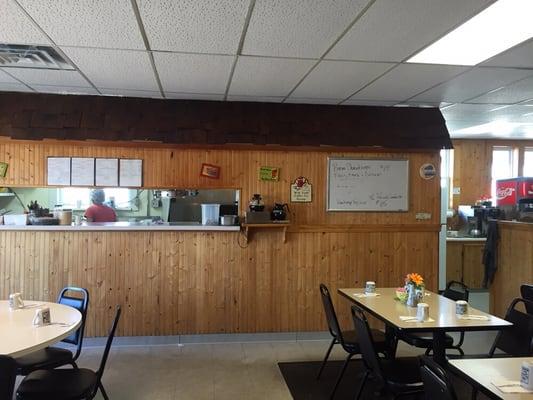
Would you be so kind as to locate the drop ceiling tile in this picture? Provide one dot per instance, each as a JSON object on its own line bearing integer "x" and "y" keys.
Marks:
{"x": 16, "y": 27}
{"x": 198, "y": 26}
{"x": 260, "y": 76}
{"x": 194, "y": 96}
{"x": 193, "y": 73}
{"x": 406, "y": 80}
{"x": 14, "y": 87}
{"x": 34, "y": 76}
{"x": 338, "y": 79}
{"x": 5, "y": 78}
{"x": 298, "y": 28}
{"x": 96, "y": 23}
{"x": 64, "y": 89}
{"x": 473, "y": 83}
{"x": 394, "y": 30}
{"x": 513, "y": 93}
{"x": 130, "y": 93}
{"x": 262, "y": 99}
{"x": 519, "y": 56}
{"x": 300, "y": 100}
{"x": 119, "y": 69}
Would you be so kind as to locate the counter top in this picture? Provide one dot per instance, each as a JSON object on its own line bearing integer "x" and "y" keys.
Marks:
{"x": 121, "y": 226}
{"x": 466, "y": 239}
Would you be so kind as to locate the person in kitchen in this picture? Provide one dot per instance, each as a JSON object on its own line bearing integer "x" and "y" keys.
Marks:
{"x": 98, "y": 211}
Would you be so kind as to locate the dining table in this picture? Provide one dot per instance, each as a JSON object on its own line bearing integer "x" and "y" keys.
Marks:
{"x": 18, "y": 335}
{"x": 497, "y": 378}
{"x": 385, "y": 306}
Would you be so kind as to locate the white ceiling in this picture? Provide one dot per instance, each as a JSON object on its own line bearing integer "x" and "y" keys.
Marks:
{"x": 293, "y": 51}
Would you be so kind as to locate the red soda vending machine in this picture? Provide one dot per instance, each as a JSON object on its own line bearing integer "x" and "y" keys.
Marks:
{"x": 514, "y": 191}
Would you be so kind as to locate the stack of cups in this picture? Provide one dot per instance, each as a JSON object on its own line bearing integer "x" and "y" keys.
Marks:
{"x": 422, "y": 312}
{"x": 461, "y": 307}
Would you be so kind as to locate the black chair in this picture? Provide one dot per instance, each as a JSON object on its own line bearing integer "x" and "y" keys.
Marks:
{"x": 437, "y": 385}
{"x": 526, "y": 291}
{"x": 8, "y": 369}
{"x": 53, "y": 357}
{"x": 67, "y": 384}
{"x": 454, "y": 291}
{"x": 399, "y": 376}
{"x": 347, "y": 339}
{"x": 516, "y": 341}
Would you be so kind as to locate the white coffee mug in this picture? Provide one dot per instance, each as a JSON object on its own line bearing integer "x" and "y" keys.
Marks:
{"x": 42, "y": 317}
{"x": 461, "y": 307}
{"x": 422, "y": 312}
{"x": 526, "y": 375}
{"x": 370, "y": 287}
{"x": 15, "y": 301}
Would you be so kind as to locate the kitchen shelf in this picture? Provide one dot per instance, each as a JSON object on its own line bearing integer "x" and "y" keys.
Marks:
{"x": 271, "y": 225}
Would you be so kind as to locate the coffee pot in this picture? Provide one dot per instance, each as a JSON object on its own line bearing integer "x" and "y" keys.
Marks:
{"x": 278, "y": 212}
{"x": 256, "y": 203}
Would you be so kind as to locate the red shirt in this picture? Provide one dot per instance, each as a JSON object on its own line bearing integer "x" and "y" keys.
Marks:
{"x": 100, "y": 213}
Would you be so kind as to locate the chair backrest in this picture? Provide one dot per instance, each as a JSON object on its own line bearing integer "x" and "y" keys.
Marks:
{"x": 437, "y": 386}
{"x": 456, "y": 291}
{"x": 526, "y": 291}
{"x": 8, "y": 373}
{"x": 110, "y": 337}
{"x": 366, "y": 343}
{"x": 516, "y": 341}
{"x": 80, "y": 303}
{"x": 331, "y": 316}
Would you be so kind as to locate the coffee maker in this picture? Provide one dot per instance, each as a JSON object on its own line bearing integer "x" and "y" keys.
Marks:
{"x": 481, "y": 218}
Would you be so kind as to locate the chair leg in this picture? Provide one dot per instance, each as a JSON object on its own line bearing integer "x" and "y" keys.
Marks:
{"x": 74, "y": 365}
{"x": 428, "y": 351}
{"x": 102, "y": 390}
{"x": 340, "y": 375}
{"x": 326, "y": 357}
{"x": 361, "y": 386}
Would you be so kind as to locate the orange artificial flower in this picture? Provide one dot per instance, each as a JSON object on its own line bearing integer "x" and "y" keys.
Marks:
{"x": 414, "y": 278}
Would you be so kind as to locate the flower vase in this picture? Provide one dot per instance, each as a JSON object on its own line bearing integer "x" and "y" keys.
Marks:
{"x": 413, "y": 295}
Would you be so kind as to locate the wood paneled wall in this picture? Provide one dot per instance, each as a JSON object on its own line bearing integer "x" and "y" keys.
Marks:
{"x": 515, "y": 264}
{"x": 472, "y": 169}
{"x": 186, "y": 282}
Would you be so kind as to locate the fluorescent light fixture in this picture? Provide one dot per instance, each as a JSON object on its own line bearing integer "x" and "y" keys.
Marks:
{"x": 500, "y": 26}
{"x": 498, "y": 128}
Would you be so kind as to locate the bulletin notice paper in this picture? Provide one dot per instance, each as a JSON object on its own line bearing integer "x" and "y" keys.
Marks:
{"x": 131, "y": 173}
{"x": 82, "y": 172}
{"x": 106, "y": 172}
{"x": 58, "y": 171}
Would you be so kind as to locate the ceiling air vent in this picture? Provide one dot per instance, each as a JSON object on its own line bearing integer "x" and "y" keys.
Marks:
{"x": 24, "y": 56}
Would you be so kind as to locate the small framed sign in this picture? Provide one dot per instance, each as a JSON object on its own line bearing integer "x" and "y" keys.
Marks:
{"x": 210, "y": 171}
{"x": 3, "y": 169}
{"x": 301, "y": 191}
{"x": 269, "y": 174}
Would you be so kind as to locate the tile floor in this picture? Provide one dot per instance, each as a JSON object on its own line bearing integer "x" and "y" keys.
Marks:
{"x": 217, "y": 371}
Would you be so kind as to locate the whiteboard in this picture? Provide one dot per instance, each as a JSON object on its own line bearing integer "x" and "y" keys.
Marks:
{"x": 367, "y": 185}
{"x": 58, "y": 171}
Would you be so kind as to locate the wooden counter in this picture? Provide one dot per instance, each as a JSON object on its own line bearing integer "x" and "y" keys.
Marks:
{"x": 515, "y": 264}
{"x": 464, "y": 261}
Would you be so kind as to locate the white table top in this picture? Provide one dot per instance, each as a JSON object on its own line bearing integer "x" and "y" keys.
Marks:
{"x": 487, "y": 370}
{"x": 441, "y": 310}
{"x": 18, "y": 336}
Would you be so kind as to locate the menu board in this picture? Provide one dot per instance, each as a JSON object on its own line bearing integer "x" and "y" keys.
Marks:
{"x": 58, "y": 171}
{"x": 82, "y": 172}
{"x": 131, "y": 173}
{"x": 367, "y": 185}
{"x": 106, "y": 172}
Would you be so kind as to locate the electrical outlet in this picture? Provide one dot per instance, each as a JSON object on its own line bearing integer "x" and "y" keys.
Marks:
{"x": 422, "y": 216}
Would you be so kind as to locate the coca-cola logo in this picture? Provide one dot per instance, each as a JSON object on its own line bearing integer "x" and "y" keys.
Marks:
{"x": 502, "y": 193}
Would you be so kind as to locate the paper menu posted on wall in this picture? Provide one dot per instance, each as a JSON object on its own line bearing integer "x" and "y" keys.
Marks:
{"x": 131, "y": 172}
{"x": 58, "y": 171}
{"x": 82, "y": 171}
{"x": 106, "y": 172}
